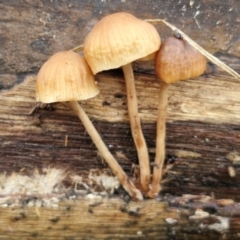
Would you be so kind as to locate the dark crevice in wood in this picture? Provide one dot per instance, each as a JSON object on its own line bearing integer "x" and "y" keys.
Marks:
{"x": 205, "y": 174}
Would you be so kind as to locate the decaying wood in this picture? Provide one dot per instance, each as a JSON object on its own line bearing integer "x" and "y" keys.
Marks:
{"x": 210, "y": 98}
{"x": 203, "y": 133}
{"x": 191, "y": 216}
{"x": 31, "y": 32}
{"x": 203, "y": 138}
{"x": 206, "y": 127}
{"x": 112, "y": 219}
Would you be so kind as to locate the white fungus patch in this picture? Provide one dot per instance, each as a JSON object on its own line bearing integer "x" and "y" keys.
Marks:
{"x": 99, "y": 182}
{"x": 107, "y": 182}
{"x": 199, "y": 214}
{"x": 94, "y": 200}
{"x": 39, "y": 189}
{"x": 171, "y": 221}
{"x": 220, "y": 227}
{"x": 47, "y": 182}
{"x": 45, "y": 188}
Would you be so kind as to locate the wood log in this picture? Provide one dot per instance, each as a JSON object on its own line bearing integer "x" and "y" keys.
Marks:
{"x": 203, "y": 133}
{"x": 76, "y": 219}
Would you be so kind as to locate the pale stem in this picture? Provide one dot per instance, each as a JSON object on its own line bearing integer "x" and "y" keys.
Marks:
{"x": 136, "y": 129}
{"x": 111, "y": 161}
{"x": 160, "y": 140}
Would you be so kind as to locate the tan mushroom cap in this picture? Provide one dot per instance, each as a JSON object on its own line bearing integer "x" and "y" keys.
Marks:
{"x": 65, "y": 76}
{"x": 177, "y": 60}
{"x": 119, "y": 39}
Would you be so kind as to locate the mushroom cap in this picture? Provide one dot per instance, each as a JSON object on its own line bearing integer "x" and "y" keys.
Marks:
{"x": 119, "y": 39}
{"x": 65, "y": 76}
{"x": 177, "y": 60}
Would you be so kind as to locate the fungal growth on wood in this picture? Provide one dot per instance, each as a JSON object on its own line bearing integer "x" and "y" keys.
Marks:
{"x": 107, "y": 46}
{"x": 66, "y": 77}
{"x": 116, "y": 41}
{"x": 176, "y": 60}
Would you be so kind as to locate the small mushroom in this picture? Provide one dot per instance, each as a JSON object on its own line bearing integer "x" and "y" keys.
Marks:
{"x": 66, "y": 76}
{"x": 176, "y": 60}
{"x": 116, "y": 41}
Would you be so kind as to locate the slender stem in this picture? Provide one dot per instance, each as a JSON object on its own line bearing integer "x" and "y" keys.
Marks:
{"x": 113, "y": 164}
{"x": 160, "y": 141}
{"x": 136, "y": 129}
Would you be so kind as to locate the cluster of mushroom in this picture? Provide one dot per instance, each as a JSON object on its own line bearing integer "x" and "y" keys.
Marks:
{"x": 116, "y": 41}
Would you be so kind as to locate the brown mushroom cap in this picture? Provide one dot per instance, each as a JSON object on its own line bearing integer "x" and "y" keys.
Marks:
{"x": 119, "y": 39}
{"x": 65, "y": 76}
{"x": 177, "y": 60}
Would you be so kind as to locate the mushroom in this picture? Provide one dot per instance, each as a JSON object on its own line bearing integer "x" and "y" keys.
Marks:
{"x": 176, "y": 60}
{"x": 66, "y": 76}
{"x": 116, "y": 41}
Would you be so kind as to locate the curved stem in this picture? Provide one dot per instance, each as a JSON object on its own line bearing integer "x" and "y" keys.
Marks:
{"x": 160, "y": 141}
{"x": 113, "y": 164}
{"x": 136, "y": 127}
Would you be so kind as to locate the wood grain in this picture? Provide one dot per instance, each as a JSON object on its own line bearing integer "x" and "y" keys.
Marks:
{"x": 205, "y": 127}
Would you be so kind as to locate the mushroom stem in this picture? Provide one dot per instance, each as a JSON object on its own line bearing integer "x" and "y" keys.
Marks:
{"x": 113, "y": 164}
{"x": 160, "y": 141}
{"x": 136, "y": 129}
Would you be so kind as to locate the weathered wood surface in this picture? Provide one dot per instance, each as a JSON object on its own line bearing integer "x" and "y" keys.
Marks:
{"x": 38, "y": 139}
{"x": 78, "y": 220}
{"x": 31, "y": 31}
{"x": 187, "y": 217}
{"x": 203, "y": 133}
